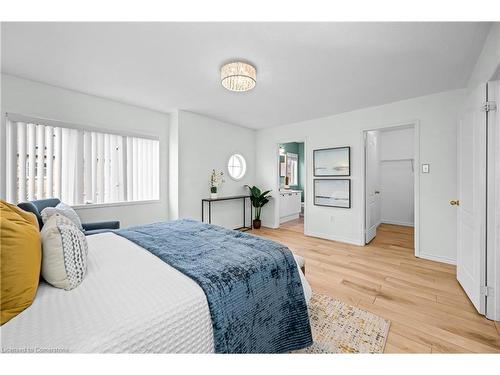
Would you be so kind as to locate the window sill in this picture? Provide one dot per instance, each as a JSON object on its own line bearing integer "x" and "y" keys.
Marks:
{"x": 114, "y": 204}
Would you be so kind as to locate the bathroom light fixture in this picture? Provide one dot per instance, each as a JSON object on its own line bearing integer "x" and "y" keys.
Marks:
{"x": 238, "y": 76}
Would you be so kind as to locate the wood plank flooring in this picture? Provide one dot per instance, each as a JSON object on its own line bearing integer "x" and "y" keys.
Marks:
{"x": 428, "y": 310}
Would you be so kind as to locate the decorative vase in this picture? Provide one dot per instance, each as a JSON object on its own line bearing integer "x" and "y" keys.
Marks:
{"x": 256, "y": 224}
{"x": 214, "y": 193}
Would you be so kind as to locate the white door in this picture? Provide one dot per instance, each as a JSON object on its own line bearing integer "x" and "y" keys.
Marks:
{"x": 471, "y": 204}
{"x": 372, "y": 188}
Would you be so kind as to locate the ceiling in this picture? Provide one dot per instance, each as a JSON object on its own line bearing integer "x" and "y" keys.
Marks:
{"x": 304, "y": 70}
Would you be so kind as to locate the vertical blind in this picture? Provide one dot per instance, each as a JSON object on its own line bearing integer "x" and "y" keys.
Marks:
{"x": 79, "y": 166}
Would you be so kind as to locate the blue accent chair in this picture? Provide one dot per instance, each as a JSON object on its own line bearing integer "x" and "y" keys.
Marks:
{"x": 36, "y": 207}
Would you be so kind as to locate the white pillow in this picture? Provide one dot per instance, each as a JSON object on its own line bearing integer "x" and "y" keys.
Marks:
{"x": 63, "y": 209}
{"x": 64, "y": 253}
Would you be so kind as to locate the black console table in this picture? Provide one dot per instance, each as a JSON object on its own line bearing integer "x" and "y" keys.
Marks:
{"x": 244, "y": 228}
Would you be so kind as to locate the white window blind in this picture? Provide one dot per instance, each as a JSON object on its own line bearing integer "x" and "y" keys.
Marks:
{"x": 79, "y": 166}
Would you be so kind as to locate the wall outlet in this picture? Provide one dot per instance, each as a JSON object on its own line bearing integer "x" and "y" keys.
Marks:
{"x": 425, "y": 168}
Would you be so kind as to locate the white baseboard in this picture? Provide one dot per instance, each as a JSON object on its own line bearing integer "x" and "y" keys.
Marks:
{"x": 351, "y": 241}
{"x": 284, "y": 219}
{"x": 395, "y": 222}
{"x": 269, "y": 226}
{"x": 437, "y": 258}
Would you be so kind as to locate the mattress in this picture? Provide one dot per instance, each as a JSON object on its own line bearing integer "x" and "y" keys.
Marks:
{"x": 129, "y": 302}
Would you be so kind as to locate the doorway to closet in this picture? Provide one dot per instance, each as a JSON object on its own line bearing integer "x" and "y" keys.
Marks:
{"x": 390, "y": 184}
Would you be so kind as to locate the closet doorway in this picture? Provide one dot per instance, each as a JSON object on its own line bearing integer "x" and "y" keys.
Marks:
{"x": 391, "y": 184}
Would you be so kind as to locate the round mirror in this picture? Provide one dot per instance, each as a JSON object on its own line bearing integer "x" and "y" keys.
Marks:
{"x": 236, "y": 166}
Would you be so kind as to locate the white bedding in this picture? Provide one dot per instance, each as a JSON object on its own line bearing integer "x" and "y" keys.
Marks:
{"x": 130, "y": 301}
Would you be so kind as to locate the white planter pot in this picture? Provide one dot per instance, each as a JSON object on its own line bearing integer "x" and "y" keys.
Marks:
{"x": 214, "y": 195}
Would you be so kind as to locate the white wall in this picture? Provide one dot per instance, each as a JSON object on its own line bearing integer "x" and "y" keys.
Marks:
{"x": 44, "y": 101}
{"x": 397, "y": 144}
{"x": 173, "y": 167}
{"x": 397, "y": 176}
{"x": 205, "y": 144}
{"x": 437, "y": 115}
{"x": 489, "y": 59}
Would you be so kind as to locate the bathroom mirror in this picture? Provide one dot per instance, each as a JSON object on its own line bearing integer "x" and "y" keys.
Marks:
{"x": 292, "y": 167}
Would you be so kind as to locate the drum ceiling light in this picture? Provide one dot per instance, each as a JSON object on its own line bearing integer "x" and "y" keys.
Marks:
{"x": 238, "y": 76}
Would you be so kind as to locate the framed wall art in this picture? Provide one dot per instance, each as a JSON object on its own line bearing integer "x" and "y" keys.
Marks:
{"x": 332, "y": 192}
{"x": 332, "y": 162}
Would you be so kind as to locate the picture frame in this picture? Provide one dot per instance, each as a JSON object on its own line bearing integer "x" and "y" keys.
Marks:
{"x": 332, "y": 192}
{"x": 332, "y": 162}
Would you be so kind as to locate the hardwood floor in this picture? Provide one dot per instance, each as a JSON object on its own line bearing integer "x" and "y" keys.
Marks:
{"x": 428, "y": 310}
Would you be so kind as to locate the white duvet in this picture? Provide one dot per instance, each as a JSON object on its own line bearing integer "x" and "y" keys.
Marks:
{"x": 130, "y": 301}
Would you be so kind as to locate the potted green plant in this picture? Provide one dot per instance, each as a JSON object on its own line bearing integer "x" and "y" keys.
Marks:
{"x": 259, "y": 199}
{"x": 216, "y": 180}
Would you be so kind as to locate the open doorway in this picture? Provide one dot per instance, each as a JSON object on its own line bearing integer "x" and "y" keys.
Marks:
{"x": 291, "y": 182}
{"x": 391, "y": 188}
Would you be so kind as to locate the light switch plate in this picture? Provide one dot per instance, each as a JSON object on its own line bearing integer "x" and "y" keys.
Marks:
{"x": 425, "y": 168}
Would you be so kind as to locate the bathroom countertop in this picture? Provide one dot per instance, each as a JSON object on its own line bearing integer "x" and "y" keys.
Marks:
{"x": 290, "y": 191}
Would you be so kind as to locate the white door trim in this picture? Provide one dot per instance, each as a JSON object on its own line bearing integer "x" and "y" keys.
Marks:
{"x": 277, "y": 179}
{"x": 416, "y": 126}
{"x": 493, "y": 205}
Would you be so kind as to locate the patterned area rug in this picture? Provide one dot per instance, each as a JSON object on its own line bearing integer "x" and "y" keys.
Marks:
{"x": 341, "y": 328}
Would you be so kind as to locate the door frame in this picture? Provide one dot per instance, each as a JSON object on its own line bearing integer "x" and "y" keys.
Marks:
{"x": 277, "y": 179}
{"x": 492, "y": 304}
{"x": 416, "y": 181}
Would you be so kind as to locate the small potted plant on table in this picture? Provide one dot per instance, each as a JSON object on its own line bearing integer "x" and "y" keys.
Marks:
{"x": 259, "y": 199}
{"x": 216, "y": 180}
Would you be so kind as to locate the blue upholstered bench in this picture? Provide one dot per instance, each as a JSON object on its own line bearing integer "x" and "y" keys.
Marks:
{"x": 37, "y": 206}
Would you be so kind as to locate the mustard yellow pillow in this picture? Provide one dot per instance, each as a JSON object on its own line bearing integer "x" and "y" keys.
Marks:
{"x": 21, "y": 257}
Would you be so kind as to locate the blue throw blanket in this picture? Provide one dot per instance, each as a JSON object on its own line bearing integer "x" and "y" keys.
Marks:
{"x": 252, "y": 285}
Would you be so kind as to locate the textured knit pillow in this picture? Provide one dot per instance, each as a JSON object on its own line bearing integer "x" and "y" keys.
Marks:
{"x": 64, "y": 210}
{"x": 20, "y": 259}
{"x": 64, "y": 253}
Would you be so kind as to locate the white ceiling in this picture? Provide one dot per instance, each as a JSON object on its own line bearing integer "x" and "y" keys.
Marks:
{"x": 304, "y": 70}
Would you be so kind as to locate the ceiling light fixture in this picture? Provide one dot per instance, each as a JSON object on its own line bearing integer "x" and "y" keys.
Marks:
{"x": 238, "y": 76}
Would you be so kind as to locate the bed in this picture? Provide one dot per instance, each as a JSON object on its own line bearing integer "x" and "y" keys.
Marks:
{"x": 135, "y": 305}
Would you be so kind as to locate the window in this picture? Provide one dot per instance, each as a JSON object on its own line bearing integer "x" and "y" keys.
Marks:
{"x": 79, "y": 166}
{"x": 236, "y": 166}
{"x": 292, "y": 168}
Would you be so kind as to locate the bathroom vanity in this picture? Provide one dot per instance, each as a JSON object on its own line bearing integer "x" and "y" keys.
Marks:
{"x": 290, "y": 204}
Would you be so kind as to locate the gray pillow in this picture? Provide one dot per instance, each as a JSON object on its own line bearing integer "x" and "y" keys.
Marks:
{"x": 64, "y": 253}
{"x": 64, "y": 210}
